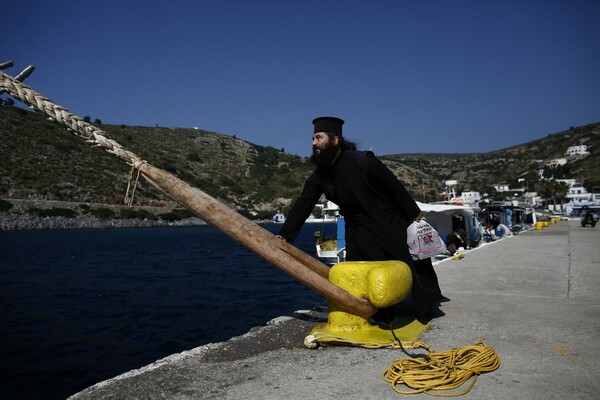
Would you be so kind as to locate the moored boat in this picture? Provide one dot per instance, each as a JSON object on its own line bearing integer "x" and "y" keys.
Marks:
{"x": 278, "y": 218}
{"x": 445, "y": 218}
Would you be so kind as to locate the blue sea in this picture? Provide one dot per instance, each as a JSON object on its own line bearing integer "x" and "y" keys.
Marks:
{"x": 81, "y": 306}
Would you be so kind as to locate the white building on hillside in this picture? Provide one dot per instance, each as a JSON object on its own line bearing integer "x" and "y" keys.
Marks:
{"x": 470, "y": 197}
{"x": 555, "y": 162}
{"x": 501, "y": 187}
{"x": 532, "y": 198}
{"x": 577, "y": 150}
{"x": 570, "y": 182}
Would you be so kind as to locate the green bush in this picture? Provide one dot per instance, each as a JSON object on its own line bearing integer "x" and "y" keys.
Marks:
{"x": 265, "y": 214}
{"x": 130, "y": 213}
{"x": 53, "y": 212}
{"x": 194, "y": 157}
{"x": 103, "y": 213}
{"x": 5, "y": 205}
{"x": 176, "y": 215}
{"x": 246, "y": 214}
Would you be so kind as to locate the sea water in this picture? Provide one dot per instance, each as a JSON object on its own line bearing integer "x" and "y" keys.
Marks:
{"x": 81, "y": 306}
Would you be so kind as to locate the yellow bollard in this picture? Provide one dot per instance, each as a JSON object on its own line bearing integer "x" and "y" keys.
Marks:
{"x": 539, "y": 225}
{"x": 383, "y": 283}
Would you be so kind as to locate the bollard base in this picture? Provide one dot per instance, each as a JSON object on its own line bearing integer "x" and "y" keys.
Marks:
{"x": 402, "y": 332}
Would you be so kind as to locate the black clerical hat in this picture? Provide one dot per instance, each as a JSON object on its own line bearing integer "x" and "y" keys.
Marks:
{"x": 329, "y": 125}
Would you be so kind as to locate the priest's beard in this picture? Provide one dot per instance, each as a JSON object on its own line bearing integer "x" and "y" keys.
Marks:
{"x": 325, "y": 157}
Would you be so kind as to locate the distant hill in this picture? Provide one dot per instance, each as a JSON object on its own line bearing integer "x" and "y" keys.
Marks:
{"x": 478, "y": 171}
{"x": 40, "y": 160}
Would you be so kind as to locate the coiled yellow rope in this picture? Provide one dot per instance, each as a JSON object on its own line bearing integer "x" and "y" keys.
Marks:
{"x": 445, "y": 371}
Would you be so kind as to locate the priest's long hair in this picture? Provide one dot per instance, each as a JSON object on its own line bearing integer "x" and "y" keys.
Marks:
{"x": 343, "y": 143}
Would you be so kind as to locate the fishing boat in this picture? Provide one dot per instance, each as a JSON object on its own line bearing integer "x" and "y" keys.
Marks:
{"x": 278, "y": 218}
{"x": 331, "y": 249}
{"x": 452, "y": 218}
{"x": 328, "y": 212}
{"x": 516, "y": 216}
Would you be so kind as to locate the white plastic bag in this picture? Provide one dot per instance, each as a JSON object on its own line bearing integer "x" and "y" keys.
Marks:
{"x": 424, "y": 241}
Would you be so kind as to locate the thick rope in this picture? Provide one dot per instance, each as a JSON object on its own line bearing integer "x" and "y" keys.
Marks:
{"x": 312, "y": 342}
{"x": 88, "y": 132}
{"x": 445, "y": 371}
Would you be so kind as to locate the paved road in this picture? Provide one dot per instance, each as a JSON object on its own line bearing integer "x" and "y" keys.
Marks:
{"x": 533, "y": 297}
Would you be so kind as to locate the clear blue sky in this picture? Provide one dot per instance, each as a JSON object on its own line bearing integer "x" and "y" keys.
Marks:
{"x": 407, "y": 76}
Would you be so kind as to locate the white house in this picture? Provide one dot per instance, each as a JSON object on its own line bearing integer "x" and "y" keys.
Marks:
{"x": 470, "y": 197}
{"x": 577, "y": 194}
{"x": 577, "y": 150}
{"x": 501, "y": 187}
{"x": 532, "y": 198}
{"x": 569, "y": 182}
{"x": 555, "y": 162}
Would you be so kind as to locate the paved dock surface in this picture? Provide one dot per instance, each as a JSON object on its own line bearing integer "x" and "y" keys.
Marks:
{"x": 535, "y": 298}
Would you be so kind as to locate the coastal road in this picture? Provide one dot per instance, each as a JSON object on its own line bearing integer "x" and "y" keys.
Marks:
{"x": 533, "y": 297}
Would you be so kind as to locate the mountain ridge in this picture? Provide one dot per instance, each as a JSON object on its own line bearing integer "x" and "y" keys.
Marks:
{"x": 42, "y": 161}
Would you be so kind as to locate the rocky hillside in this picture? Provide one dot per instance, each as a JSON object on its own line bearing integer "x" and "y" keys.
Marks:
{"x": 39, "y": 160}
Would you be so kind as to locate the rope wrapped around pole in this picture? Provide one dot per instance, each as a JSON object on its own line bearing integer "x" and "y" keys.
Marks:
{"x": 288, "y": 258}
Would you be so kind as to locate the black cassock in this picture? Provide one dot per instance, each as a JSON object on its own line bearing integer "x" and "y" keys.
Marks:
{"x": 377, "y": 210}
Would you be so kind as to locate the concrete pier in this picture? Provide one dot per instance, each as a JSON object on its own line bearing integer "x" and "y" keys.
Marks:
{"x": 534, "y": 297}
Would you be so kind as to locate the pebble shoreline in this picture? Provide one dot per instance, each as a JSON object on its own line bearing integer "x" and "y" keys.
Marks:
{"x": 13, "y": 222}
{"x": 18, "y": 218}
